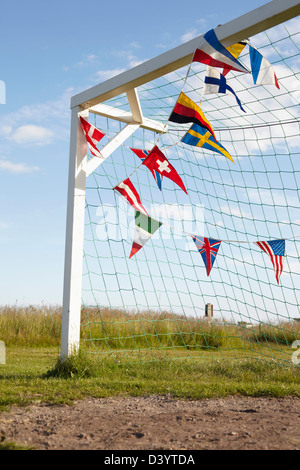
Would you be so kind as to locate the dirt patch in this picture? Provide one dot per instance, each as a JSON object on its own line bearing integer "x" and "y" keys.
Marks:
{"x": 157, "y": 423}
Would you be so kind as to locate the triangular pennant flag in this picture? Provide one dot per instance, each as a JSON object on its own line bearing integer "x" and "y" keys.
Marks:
{"x": 142, "y": 154}
{"x": 211, "y": 52}
{"x": 185, "y": 110}
{"x": 235, "y": 50}
{"x": 262, "y": 71}
{"x": 157, "y": 162}
{"x": 145, "y": 227}
{"x": 92, "y": 135}
{"x": 208, "y": 248}
{"x": 215, "y": 82}
{"x": 276, "y": 250}
{"x": 128, "y": 191}
{"x": 199, "y": 137}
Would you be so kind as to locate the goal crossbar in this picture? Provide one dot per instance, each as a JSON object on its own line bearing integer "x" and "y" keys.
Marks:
{"x": 249, "y": 24}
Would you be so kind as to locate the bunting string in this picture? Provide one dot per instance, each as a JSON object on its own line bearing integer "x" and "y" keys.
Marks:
{"x": 201, "y": 134}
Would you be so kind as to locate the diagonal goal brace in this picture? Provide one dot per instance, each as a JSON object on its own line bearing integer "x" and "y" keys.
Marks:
{"x": 79, "y": 169}
{"x": 133, "y": 120}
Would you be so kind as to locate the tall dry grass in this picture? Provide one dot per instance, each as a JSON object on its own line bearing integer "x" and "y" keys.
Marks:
{"x": 30, "y": 326}
{"x": 40, "y": 326}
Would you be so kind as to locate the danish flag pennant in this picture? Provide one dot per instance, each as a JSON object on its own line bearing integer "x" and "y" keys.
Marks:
{"x": 157, "y": 162}
{"x": 128, "y": 191}
{"x": 92, "y": 135}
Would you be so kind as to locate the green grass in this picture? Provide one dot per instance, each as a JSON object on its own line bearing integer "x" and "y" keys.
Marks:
{"x": 142, "y": 355}
{"x": 37, "y": 375}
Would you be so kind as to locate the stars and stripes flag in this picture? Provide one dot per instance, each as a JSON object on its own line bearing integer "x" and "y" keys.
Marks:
{"x": 145, "y": 227}
{"x": 211, "y": 52}
{"x": 92, "y": 135}
{"x": 128, "y": 191}
{"x": 199, "y": 137}
{"x": 208, "y": 248}
{"x": 276, "y": 250}
{"x": 262, "y": 71}
{"x": 142, "y": 154}
{"x": 215, "y": 82}
{"x": 157, "y": 162}
{"x": 185, "y": 110}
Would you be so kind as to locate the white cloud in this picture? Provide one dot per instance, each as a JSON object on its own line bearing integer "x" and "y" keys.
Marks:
{"x": 235, "y": 212}
{"x": 109, "y": 73}
{"x": 87, "y": 60}
{"x": 16, "y": 168}
{"x": 32, "y": 134}
{"x": 38, "y": 123}
{"x": 189, "y": 35}
{"x": 131, "y": 61}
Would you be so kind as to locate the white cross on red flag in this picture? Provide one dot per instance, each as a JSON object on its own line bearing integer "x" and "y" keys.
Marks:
{"x": 157, "y": 162}
{"x": 92, "y": 135}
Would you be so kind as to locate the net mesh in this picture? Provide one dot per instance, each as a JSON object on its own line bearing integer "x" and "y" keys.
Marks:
{"x": 153, "y": 305}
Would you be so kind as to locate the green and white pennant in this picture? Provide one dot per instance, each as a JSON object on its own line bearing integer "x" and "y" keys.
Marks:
{"x": 145, "y": 227}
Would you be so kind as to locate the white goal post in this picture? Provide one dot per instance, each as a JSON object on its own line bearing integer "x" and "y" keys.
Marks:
{"x": 92, "y": 101}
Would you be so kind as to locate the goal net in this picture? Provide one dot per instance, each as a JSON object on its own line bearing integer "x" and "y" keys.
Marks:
{"x": 190, "y": 278}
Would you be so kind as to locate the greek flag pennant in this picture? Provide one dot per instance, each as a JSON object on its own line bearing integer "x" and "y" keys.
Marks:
{"x": 215, "y": 82}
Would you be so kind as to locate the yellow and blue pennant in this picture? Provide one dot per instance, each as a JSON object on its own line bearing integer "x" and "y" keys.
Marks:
{"x": 199, "y": 137}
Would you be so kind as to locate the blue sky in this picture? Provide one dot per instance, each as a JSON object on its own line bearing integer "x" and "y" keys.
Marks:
{"x": 50, "y": 51}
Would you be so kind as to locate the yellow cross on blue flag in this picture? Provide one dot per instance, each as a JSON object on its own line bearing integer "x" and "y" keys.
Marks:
{"x": 199, "y": 137}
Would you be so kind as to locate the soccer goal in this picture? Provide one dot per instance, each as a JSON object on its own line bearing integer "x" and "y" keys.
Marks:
{"x": 183, "y": 220}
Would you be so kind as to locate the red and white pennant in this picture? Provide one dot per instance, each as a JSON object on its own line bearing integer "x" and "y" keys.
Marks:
{"x": 92, "y": 135}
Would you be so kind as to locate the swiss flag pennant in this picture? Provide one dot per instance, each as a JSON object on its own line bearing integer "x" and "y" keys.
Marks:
{"x": 157, "y": 162}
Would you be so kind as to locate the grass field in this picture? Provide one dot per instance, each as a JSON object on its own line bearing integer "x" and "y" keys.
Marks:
{"x": 204, "y": 360}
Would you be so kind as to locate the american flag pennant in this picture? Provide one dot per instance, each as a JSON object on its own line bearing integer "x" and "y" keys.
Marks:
{"x": 143, "y": 154}
{"x": 128, "y": 191}
{"x": 92, "y": 135}
{"x": 208, "y": 249}
{"x": 276, "y": 250}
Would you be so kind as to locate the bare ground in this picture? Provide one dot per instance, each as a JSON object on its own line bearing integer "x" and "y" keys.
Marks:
{"x": 157, "y": 423}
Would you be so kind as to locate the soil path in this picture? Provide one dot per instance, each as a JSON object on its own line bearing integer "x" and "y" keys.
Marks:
{"x": 157, "y": 423}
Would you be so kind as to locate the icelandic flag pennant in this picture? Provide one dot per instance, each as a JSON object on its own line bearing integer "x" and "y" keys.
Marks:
{"x": 142, "y": 154}
{"x": 215, "y": 82}
{"x": 157, "y": 162}
{"x": 145, "y": 227}
{"x": 235, "y": 50}
{"x": 276, "y": 250}
{"x": 262, "y": 71}
{"x": 92, "y": 135}
{"x": 128, "y": 191}
{"x": 208, "y": 248}
{"x": 185, "y": 110}
{"x": 199, "y": 137}
{"x": 211, "y": 52}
